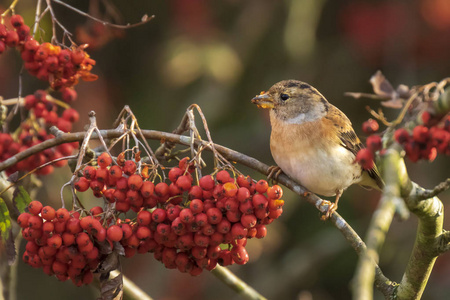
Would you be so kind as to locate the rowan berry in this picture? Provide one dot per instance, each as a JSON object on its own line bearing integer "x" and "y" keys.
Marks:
{"x": 16, "y": 21}
{"x": 370, "y": 126}
{"x": 129, "y": 167}
{"x": 262, "y": 186}
{"x": 159, "y": 215}
{"x": 365, "y": 158}
{"x": 55, "y": 241}
{"x": 275, "y": 192}
{"x": 248, "y": 221}
{"x": 196, "y": 206}
{"x": 35, "y": 222}
{"x": 243, "y": 194}
{"x": 115, "y": 171}
{"x": 238, "y": 231}
{"x": 162, "y": 189}
{"x": 223, "y": 177}
{"x": 143, "y": 233}
{"x": 184, "y": 182}
{"x": 207, "y": 182}
{"x": 89, "y": 172}
{"x": 35, "y": 207}
{"x": 12, "y": 39}
{"x": 48, "y": 228}
{"x": 230, "y": 189}
{"x": 402, "y": 136}
{"x": 114, "y": 233}
{"x": 239, "y": 255}
{"x": 420, "y": 134}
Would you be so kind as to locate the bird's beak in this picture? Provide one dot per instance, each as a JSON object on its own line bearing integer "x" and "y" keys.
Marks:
{"x": 264, "y": 100}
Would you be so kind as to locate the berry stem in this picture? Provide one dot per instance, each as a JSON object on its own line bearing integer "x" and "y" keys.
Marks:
{"x": 10, "y": 8}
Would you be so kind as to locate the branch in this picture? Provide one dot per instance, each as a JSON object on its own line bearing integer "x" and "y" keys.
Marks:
{"x": 429, "y": 232}
{"x": 346, "y": 230}
{"x": 234, "y": 282}
{"x": 422, "y": 194}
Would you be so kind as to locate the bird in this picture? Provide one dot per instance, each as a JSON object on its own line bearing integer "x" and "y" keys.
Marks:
{"x": 313, "y": 142}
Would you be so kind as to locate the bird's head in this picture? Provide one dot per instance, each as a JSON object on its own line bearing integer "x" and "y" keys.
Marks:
{"x": 293, "y": 101}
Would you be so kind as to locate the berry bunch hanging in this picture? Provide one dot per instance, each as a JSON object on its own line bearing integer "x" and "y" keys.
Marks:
{"x": 187, "y": 226}
{"x": 62, "y": 68}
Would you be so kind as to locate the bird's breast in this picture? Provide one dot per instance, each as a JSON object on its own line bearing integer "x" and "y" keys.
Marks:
{"x": 311, "y": 154}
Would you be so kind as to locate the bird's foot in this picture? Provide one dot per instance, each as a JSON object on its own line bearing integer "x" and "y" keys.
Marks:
{"x": 274, "y": 172}
{"x": 332, "y": 207}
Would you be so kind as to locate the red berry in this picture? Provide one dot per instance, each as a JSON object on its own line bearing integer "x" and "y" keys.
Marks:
{"x": 261, "y": 231}
{"x": 186, "y": 216}
{"x": 373, "y": 142}
{"x": 55, "y": 241}
{"x": 239, "y": 255}
{"x": 143, "y": 233}
{"x": 35, "y": 207}
{"x": 162, "y": 189}
{"x": 370, "y": 126}
{"x": 144, "y": 217}
{"x": 129, "y": 167}
{"x": 104, "y": 160}
{"x": 223, "y": 177}
{"x": 365, "y": 158}
{"x": 214, "y": 215}
{"x": 248, "y": 221}
{"x": 22, "y": 220}
{"x": 72, "y": 116}
{"x": 89, "y": 172}
{"x": 114, "y": 233}
{"x": 147, "y": 189}
{"x": 275, "y": 192}
{"x": 207, "y": 182}
{"x": 12, "y": 39}
{"x": 69, "y": 95}
{"x": 262, "y": 186}
{"x": 420, "y": 134}
{"x": 243, "y": 194}
{"x": 401, "y": 135}
{"x": 62, "y": 215}
{"x": 83, "y": 239}
{"x": 159, "y": 215}
{"x": 16, "y": 21}
{"x": 196, "y": 206}
{"x": 238, "y": 231}
{"x": 35, "y": 222}
{"x": 135, "y": 182}
{"x": 174, "y": 173}
{"x": 184, "y": 182}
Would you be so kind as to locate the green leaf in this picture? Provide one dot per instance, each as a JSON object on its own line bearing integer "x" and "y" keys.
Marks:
{"x": 5, "y": 221}
{"x": 21, "y": 199}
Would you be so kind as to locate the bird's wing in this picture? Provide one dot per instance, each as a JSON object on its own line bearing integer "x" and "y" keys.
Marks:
{"x": 349, "y": 140}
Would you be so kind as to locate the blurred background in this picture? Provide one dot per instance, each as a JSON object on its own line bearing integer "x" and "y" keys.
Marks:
{"x": 219, "y": 54}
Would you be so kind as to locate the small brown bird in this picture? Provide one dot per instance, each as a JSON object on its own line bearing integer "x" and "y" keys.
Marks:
{"x": 313, "y": 142}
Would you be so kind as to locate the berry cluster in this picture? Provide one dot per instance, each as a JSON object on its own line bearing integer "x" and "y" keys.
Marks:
{"x": 427, "y": 140}
{"x": 422, "y": 142}
{"x": 188, "y": 227}
{"x": 61, "y": 243}
{"x": 43, "y": 113}
{"x": 62, "y": 68}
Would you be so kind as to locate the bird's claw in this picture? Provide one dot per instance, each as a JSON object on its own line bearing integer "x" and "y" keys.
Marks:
{"x": 274, "y": 172}
{"x": 332, "y": 207}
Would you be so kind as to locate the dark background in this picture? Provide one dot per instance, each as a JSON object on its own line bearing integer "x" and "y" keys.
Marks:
{"x": 219, "y": 54}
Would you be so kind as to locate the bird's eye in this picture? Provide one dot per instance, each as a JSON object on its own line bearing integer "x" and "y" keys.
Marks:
{"x": 284, "y": 97}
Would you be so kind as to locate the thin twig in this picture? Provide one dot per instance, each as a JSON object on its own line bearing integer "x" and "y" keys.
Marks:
{"x": 234, "y": 282}
{"x": 422, "y": 194}
{"x": 145, "y": 18}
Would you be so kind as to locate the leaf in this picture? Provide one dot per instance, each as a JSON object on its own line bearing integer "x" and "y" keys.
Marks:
{"x": 110, "y": 289}
{"x": 381, "y": 86}
{"x": 5, "y": 222}
{"x": 21, "y": 199}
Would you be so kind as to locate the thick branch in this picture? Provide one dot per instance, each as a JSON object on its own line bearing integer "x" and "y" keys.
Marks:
{"x": 430, "y": 228}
